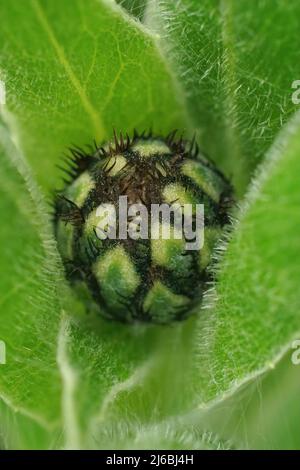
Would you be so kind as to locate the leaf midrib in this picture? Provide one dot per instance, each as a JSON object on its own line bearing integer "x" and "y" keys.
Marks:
{"x": 96, "y": 120}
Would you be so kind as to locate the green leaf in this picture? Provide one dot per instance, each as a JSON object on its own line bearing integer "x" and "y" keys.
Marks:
{"x": 135, "y": 7}
{"x": 30, "y": 311}
{"x": 235, "y": 61}
{"x": 273, "y": 421}
{"x": 76, "y": 70}
{"x": 272, "y": 416}
{"x": 262, "y": 415}
{"x": 254, "y": 311}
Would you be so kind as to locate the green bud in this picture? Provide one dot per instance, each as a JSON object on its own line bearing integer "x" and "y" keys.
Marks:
{"x": 142, "y": 278}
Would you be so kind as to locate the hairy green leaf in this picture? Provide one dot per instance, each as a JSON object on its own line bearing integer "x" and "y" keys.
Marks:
{"x": 29, "y": 299}
{"x": 254, "y": 311}
{"x": 235, "y": 62}
{"x": 76, "y": 70}
{"x": 134, "y": 7}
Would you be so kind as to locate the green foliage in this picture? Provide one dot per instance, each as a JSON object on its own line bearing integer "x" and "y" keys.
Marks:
{"x": 73, "y": 71}
{"x": 134, "y": 7}
{"x": 235, "y": 62}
